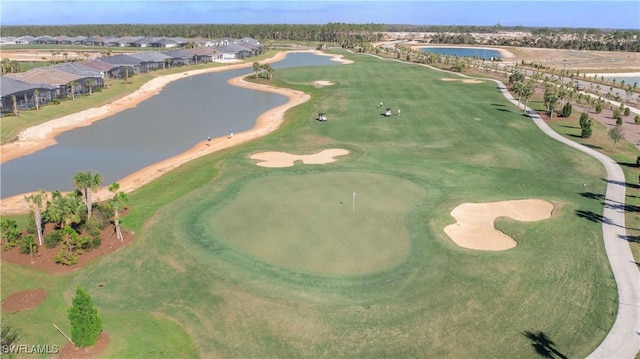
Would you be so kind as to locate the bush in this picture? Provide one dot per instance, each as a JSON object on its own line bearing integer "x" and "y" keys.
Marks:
{"x": 627, "y": 111}
{"x": 619, "y": 121}
{"x": 55, "y": 101}
{"x": 52, "y": 239}
{"x": 586, "y": 132}
{"x": 599, "y": 108}
{"x": 566, "y": 110}
{"x": 637, "y": 119}
{"x": 10, "y": 233}
{"x": 29, "y": 245}
{"x": 86, "y": 324}
{"x": 616, "y": 114}
{"x": 638, "y": 161}
{"x": 65, "y": 257}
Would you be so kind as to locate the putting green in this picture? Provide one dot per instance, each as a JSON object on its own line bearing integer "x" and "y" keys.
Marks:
{"x": 309, "y": 222}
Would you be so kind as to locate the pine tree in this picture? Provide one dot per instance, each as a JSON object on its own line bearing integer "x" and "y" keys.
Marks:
{"x": 86, "y": 324}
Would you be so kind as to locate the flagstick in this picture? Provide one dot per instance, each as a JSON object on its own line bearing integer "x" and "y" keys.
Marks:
{"x": 354, "y": 201}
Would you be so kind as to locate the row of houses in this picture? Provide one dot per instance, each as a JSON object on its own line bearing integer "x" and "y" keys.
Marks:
{"x": 125, "y": 41}
{"x": 40, "y": 86}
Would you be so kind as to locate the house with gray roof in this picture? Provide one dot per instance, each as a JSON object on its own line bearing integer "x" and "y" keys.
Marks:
{"x": 180, "y": 57}
{"x": 151, "y": 60}
{"x": 124, "y": 63}
{"x": 143, "y": 42}
{"x": 164, "y": 42}
{"x": 205, "y": 54}
{"x": 102, "y": 66}
{"x": 26, "y": 94}
{"x": 22, "y": 40}
{"x": 44, "y": 40}
{"x": 91, "y": 78}
{"x": 8, "y": 40}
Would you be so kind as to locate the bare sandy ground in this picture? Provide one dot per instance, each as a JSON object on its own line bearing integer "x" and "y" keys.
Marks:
{"x": 283, "y": 159}
{"x": 474, "y": 227}
{"x": 464, "y": 81}
{"x": 38, "y": 137}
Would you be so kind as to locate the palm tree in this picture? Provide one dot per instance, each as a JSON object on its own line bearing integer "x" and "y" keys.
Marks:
{"x": 36, "y": 200}
{"x": 87, "y": 182}
{"x": 118, "y": 202}
{"x": 72, "y": 87}
{"x": 36, "y": 98}
{"x": 15, "y": 105}
{"x": 65, "y": 210}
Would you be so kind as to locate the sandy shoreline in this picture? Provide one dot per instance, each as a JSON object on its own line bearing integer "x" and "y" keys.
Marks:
{"x": 506, "y": 54}
{"x": 38, "y": 137}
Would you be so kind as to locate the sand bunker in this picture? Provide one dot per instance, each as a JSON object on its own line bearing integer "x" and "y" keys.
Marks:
{"x": 283, "y": 159}
{"x": 475, "y": 229}
{"x": 323, "y": 83}
{"x": 464, "y": 81}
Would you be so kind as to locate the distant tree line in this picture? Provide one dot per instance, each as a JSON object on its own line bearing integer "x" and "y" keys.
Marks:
{"x": 355, "y": 35}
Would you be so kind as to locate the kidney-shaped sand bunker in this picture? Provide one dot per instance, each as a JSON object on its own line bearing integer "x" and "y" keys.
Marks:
{"x": 474, "y": 227}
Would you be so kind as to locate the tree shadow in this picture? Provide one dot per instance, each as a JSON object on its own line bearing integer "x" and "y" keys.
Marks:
{"x": 628, "y": 164}
{"x": 503, "y": 110}
{"x": 572, "y": 127}
{"x": 628, "y": 238}
{"x": 592, "y": 217}
{"x": 497, "y": 104}
{"x": 629, "y": 185}
{"x": 592, "y": 146}
{"x": 543, "y": 345}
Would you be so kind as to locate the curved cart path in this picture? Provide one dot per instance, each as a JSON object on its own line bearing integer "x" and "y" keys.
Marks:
{"x": 623, "y": 341}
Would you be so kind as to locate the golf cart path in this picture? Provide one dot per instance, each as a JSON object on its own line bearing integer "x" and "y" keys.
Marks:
{"x": 623, "y": 340}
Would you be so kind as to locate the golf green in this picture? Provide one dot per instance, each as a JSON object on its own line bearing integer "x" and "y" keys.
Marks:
{"x": 332, "y": 223}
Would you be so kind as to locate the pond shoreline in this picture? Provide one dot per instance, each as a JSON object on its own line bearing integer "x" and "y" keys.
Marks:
{"x": 38, "y": 137}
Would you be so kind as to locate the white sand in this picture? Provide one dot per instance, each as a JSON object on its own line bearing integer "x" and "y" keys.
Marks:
{"x": 283, "y": 159}
{"x": 474, "y": 227}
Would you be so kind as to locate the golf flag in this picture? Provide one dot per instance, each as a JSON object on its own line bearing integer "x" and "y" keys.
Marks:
{"x": 354, "y": 202}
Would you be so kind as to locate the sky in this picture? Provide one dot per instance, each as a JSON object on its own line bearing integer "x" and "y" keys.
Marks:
{"x": 553, "y": 13}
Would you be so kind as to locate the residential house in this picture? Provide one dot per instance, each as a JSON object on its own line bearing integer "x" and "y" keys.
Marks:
{"x": 59, "y": 79}
{"x": 90, "y": 77}
{"x": 110, "y": 70}
{"x": 151, "y": 60}
{"x": 124, "y": 63}
{"x": 180, "y": 57}
{"x": 25, "y": 94}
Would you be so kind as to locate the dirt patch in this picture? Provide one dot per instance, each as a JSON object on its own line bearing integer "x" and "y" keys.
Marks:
{"x": 23, "y": 300}
{"x": 69, "y": 351}
{"x": 45, "y": 258}
{"x": 474, "y": 227}
{"x": 283, "y": 159}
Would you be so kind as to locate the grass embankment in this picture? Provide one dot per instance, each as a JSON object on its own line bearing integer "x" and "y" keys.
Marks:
{"x": 454, "y": 142}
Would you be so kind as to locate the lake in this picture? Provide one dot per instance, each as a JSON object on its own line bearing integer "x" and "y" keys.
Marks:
{"x": 184, "y": 113}
{"x": 486, "y": 54}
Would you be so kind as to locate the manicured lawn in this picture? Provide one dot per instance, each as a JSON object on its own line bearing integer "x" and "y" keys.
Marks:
{"x": 273, "y": 291}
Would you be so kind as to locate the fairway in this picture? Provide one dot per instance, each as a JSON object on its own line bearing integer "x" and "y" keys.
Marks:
{"x": 264, "y": 262}
{"x": 314, "y": 223}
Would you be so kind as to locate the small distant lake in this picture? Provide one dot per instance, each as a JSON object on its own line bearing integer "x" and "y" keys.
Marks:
{"x": 486, "y": 54}
{"x": 182, "y": 115}
{"x": 628, "y": 80}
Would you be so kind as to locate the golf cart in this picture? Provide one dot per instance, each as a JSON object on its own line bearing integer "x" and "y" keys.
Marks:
{"x": 387, "y": 113}
{"x": 322, "y": 117}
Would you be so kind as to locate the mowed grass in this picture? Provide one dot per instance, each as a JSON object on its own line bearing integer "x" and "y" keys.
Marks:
{"x": 310, "y": 222}
{"x": 453, "y": 143}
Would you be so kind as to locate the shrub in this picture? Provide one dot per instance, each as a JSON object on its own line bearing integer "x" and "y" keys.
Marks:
{"x": 599, "y": 108}
{"x": 586, "y": 132}
{"x": 638, "y": 161}
{"x": 566, "y": 110}
{"x": 66, "y": 257}
{"x": 29, "y": 245}
{"x": 10, "y": 233}
{"x": 52, "y": 239}
{"x": 55, "y": 101}
{"x": 627, "y": 111}
{"x": 619, "y": 121}
{"x": 637, "y": 119}
{"x": 86, "y": 324}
